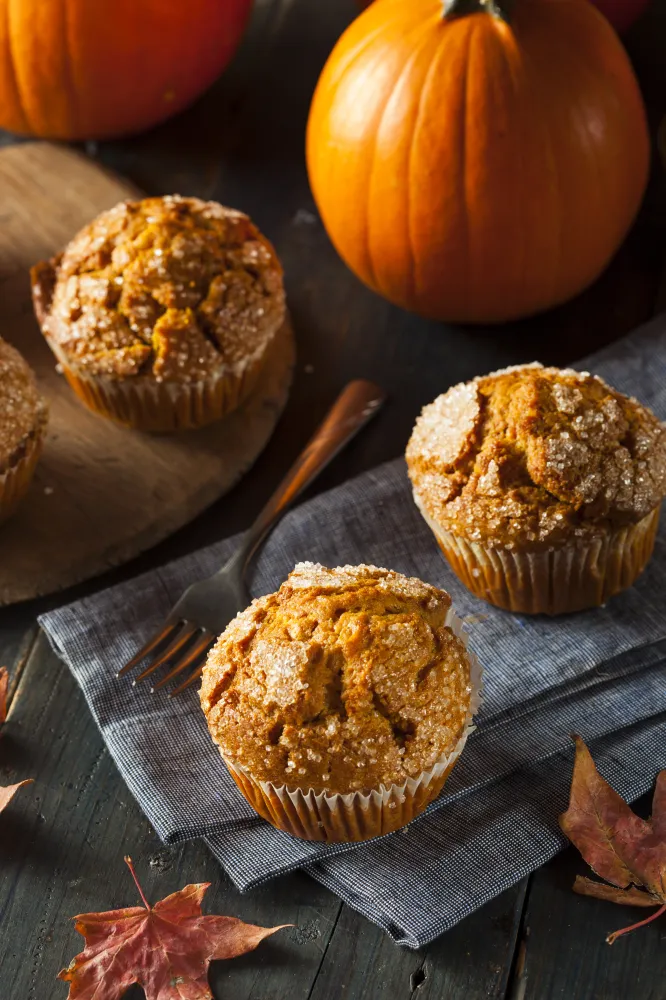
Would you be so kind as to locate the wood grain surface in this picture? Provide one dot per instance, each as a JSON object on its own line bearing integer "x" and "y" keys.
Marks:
{"x": 102, "y": 493}
{"x": 62, "y": 839}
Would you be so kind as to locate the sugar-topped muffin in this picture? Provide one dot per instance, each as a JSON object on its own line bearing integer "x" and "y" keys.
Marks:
{"x": 344, "y": 681}
{"x": 23, "y": 419}
{"x": 162, "y": 311}
{"x": 542, "y": 486}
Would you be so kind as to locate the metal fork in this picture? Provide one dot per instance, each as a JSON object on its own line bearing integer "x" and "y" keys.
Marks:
{"x": 206, "y": 608}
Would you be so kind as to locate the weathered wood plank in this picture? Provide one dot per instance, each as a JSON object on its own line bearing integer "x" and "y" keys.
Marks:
{"x": 92, "y": 504}
{"x": 63, "y": 842}
{"x": 562, "y": 950}
{"x": 243, "y": 144}
{"x": 563, "y": 942}
{"x": 18, "y": 633}
{"x": 471, "y": 962}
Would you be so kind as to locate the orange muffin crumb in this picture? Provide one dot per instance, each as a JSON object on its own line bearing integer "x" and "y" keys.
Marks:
{"x": 175, "y": 288}
{"x": 535, "y": 455}
{"x": 345, "y": 679}
{"x": 23, "y": 421}
{"x": 23, "y": 411}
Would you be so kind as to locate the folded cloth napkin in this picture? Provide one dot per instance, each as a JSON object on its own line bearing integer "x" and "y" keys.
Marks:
{"x": 601, "y": 673}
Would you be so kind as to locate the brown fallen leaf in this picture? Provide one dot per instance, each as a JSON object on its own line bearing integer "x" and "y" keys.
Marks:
{"x": 165, "y": 948}
{"x": 626, "y": 897}
{"x": 627, "y": 851}
{"x": 7, "y": 792}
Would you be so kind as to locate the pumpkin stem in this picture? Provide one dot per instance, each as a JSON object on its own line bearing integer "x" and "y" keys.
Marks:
{"x": 461, "y": 8}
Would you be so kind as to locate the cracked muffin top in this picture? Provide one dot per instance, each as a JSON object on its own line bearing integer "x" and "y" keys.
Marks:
{"x": 22, "y": 408}
{"x": 534, "y": 455}
{"x": 174, "y": 288}
{"x": 345, "y": 679}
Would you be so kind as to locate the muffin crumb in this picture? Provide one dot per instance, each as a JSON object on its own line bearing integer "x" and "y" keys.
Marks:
{"x": 345, "y": 679}
{"x": 22, "y": 408}
{"x": 536, "y": 455}
{"x": 172, "y": 287}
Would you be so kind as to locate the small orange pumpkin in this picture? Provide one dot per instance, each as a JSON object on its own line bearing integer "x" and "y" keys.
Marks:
{"x": 476, "y": 165}
{"x": 83, "y": 69}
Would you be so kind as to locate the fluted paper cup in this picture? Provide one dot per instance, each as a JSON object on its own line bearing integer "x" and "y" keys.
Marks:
{"x": 554, "y": 580}
{"x": 144, "y": 404}
{"x": 362, "y": 815}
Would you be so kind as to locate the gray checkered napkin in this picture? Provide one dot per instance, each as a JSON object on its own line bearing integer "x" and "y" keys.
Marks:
{"x": 601, "y": 673}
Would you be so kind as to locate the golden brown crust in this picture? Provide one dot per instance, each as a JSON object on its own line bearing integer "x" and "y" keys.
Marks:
{"x": 536, "y": 456}
{"x": 23, "y": 411}
{"x": 173, "y": 288}
{"x": 343, "y": 680}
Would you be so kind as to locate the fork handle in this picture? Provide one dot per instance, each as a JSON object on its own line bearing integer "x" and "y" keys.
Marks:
{"x": 355, "y": 406}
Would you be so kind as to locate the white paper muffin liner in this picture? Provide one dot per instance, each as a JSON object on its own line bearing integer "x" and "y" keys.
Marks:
{"x": 357, "y": 816}
{"x": 555, "y": 580}
{"x": 144, "y": 404}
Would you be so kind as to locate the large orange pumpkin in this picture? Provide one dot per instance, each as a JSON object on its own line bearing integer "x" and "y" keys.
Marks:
{"x": 477, "y": 168}
{"x": 80, "y": 69}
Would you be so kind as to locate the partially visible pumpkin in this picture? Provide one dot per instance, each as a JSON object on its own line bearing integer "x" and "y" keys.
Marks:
{"x": 477, "y": 169}
{"x": 81, "y": 69}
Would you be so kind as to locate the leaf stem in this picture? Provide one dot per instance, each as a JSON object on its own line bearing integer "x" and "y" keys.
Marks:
{"x": 130, "y": 865}
{"x": 641, "y": 923}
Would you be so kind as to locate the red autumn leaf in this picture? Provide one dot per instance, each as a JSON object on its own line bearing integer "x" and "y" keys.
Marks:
{"x": 616, "y": 843}
{"x": 7, "y": 792}
{"x": 165, "y": 948}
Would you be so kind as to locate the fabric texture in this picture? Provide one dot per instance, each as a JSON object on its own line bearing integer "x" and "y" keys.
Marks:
{"x": 600, "y": 673}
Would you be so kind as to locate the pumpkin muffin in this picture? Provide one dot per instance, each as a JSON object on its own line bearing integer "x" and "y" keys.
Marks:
{"x": 23, "y": 420}
{"x": 161, "y": 312}
{"x": 542, "y": 486}
{"x": 341, "y": 703}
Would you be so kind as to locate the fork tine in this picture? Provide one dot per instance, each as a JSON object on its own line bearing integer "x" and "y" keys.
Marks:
{"x": 177, "y": 643}
{"x": 193, "y": 654}
{"x": 190, "y": 680}
{"x": 152, "y": 644}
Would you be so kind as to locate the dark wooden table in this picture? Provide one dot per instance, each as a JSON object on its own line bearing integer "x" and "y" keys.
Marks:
{"x": 62, "y": 841}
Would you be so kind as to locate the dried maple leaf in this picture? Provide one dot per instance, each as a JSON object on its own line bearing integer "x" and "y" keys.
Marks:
{"x": 7, "y": 792}
{"x": 165, "y": 948}
{"x": 629, "y": 852}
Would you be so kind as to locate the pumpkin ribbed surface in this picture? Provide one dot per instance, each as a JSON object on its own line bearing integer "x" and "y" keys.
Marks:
{"x": 474, "y": 169}
{"x": 84, "y": 69}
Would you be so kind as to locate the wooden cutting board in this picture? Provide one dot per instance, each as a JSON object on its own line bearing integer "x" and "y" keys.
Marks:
{"x": 101, "y": 494}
